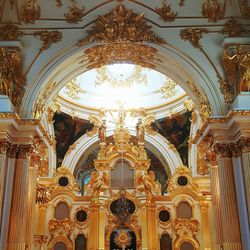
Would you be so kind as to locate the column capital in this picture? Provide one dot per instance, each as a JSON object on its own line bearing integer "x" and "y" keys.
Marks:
{"x": 25, "y": 151}
{"x": 243, "y": 143}
{"x": 35, "y": 159}
{"x": 222, "y": 150}
{"x": 12, "y": 151}
{"x": 4, "y": 145}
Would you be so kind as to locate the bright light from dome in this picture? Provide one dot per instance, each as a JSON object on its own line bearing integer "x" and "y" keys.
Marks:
{"x": 120, "y": 71}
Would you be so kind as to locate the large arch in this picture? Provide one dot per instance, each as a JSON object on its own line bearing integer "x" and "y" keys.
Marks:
{"x": 66, "y": 64}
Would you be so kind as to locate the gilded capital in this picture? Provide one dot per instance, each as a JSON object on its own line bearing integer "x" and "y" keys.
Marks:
{"x": 4, "y": 145}
{"x": 222, "y": 150}
{"x": 244, "y": 144}
{"x": 12, "y": 151}
{"x": 25, "y": 151}
{"x": 35, "y": 159}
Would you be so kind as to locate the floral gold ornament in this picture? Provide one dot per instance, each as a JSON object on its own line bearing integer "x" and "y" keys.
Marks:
{"x": 166, "y": 12}
{"x": 73, "y": 89}
{"x": 211, "y": 9}
{"x": 139, "y": 54}
{"x": 232, "y": 28}
{"x": 147, "y": 123}
{"x": 12, "y": 80}
{"x": 31, "y": 11}
{"x": 121, "y": 25}
{"x": 10, "y": 32}
{"x": 48, "y": 38}
{"x": 137, "y": 76}
{"x": 167, "y": 90}
{"x": 193, "y": 35}
{"x": 75, "y": 13}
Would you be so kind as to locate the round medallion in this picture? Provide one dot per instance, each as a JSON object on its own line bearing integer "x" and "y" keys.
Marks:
{"x": 164, "y": 216}
{"x": 81, "y": 216}
{"x": 63, "y": 181}
{"x": 182, "y": 181}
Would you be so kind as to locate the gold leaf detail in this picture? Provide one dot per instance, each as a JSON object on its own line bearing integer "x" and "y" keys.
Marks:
{"x": 166, "y": 12}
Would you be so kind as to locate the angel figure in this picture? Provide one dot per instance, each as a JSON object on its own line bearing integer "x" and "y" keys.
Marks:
{"x": 140, "y": 131}
{"x": 102, "y": 131}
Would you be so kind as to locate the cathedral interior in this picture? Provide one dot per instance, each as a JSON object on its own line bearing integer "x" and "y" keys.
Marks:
{"x": 124, "y": 125}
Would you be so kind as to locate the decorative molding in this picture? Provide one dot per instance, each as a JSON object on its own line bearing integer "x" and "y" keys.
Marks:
{"x": 121, "y": 25}
{"x": 211, "y": 9}
{"x": 139, "y": 54}
{"x": 193, "y": 35}
{"x": 166, "y": 13}
{"x": 10, "y": 32}
{"x": 25, "y": 151}
{"x": 48, "y": 38}
{"x": 12, "y": 151}
{"x": 4, "y": 146}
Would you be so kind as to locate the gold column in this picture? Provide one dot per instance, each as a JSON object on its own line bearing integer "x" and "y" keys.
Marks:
{"x": 41, "y": 227}
{"x": 151, "y": 226}
{"x": 205, "y": 225}
{"x": 4, "y": 144}
{"x": 144, "y": 228}
{"x": 215, "y": 190}
{"x": 93, "y": 238}
{"x": 18, "y": 218}
{"x": 101, "y": 229}
{"x": 229, "y": 211}
{"x": 31, "y": 199}
{"x": 245, "y": 145}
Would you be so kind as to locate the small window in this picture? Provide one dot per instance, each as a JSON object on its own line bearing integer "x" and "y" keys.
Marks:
{"x": 164, "y": 216}
{"x": 184, "y": 210}
{"x": 81, "y": 216}
{"x": 62, "y": 211}
{"x": 182, "y": 181}
{"x": 63, "y": 181}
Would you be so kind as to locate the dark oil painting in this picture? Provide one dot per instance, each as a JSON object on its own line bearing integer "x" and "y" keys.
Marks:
{"x": 67, "y": 131}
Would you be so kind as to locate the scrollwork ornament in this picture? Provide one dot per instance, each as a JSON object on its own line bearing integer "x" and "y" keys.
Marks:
{"x": 31, "y": 12}
{"x": 48, "y": 38}
{"x": 166, "y": 12}
{"x": 10, "y": 32}
{"x": 193, "y": 35}
{"x": 232, "y": 28}
{"x": 75, "y": 14}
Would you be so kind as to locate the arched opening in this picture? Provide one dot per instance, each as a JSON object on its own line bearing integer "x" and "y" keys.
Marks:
{"x": 122, "y": 175}
{"x": 165, "y": 242}
{"x": 61, "y": 211}
{"x": 184, "y": 210}
{"x": 186, "y": 246}
{"x": 81, "y": 242}
{"x": 60, "y": 246}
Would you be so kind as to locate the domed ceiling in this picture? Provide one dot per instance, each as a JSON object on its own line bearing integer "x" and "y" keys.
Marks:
{"x": 121, "y": 84}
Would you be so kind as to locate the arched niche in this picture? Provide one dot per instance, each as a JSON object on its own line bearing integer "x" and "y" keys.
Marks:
{"x": 80, "y": 242}
{"x": 188, "y": 242}
{"x": 62, "y": 211}
{"x": 184, "y": 210}
{"x": 60, "y": 241}
{"x": 165, "y": 242}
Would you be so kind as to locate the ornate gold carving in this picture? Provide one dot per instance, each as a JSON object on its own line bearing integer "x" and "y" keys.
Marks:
{"x": 75, "y": 13}
{"x": 59, "y": 3}
{"x": 123, "y": 239}
{"x": 227, "y": 90}
{"x": 96, "y": 121}
{"x": 40, "y": 240}
{"x": 39, "y": 107}
{"x": 222, "y": 150}
{"x": 137, "y": 76}
{"x": 10, "y": 32}
{"x": 236, "y": 62}
{"x": 65, "y": 225}
{"x": 212, "y": 10}
{"x": 168, "y": 89}
{"x": 193, "y": 35}
{"x": 43, "y": 194}
{"x": 31, "y": 11}
{"x": 48, "y": 38}
{"x": 232, "y": 28}
{"x": 25, "y": 151}
{"x": 4, "y": 146}
{"x": 205, "y": 109}
{"x": 166, "y": 12}
{"x": 121, "y": 25}
{"x": 147, "y": 122}
{"x": 185, "y": 226}
{"x": 244, "y": 144}
{"x": 206, "y": 155}
{"x": 12, "y": 80}
{"x": 140, "y": 54}
{"x": 73, "y": 89}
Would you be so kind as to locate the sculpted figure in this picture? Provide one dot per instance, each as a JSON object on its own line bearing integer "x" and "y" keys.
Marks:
{"x": 140, "y": 131}
{"x": 102, "y": 131}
